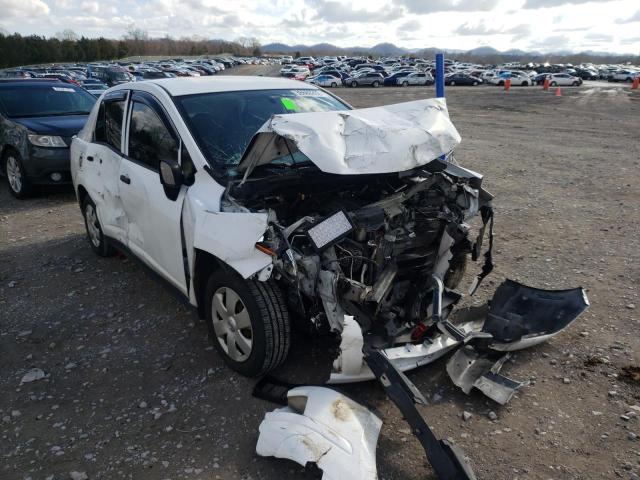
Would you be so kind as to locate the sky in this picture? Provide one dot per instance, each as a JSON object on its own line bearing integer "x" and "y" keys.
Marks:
{"x": 541, "y": 25}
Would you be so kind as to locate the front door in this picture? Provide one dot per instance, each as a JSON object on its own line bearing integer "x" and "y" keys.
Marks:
{"x": 152, "y": 220}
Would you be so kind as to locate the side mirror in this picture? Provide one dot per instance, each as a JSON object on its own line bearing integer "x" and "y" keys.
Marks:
{"x": 171, "y": 178}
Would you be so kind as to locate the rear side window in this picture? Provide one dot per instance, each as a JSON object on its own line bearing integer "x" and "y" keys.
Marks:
{"x": 109, "y": 123}
{"x": 149, "y": 139}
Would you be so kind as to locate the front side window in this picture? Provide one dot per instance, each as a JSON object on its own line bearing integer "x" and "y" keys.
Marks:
{"x": 149, "y": 139}
{"x": 109, "y": 123}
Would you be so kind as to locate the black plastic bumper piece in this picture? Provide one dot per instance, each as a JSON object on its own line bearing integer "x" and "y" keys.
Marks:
{"x": 446, "y": 458}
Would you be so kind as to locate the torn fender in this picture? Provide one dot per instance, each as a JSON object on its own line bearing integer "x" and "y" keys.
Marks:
{"x": 232, "y": 237}
{"x": 392, "y": 138}
{"x": 324, "y": 427}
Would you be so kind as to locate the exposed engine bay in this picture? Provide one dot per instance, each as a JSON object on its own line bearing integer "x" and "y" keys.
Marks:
{"x": 370, "y": 237}
{"x": 368, "y": 245}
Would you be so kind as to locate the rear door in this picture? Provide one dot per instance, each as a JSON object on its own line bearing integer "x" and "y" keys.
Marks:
{"x": 152, "y": 220}
{"x": 101, "y": 164}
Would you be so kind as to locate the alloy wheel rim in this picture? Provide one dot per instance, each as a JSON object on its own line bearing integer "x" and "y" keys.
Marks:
{"x": 232, "y": 324}
{"x": 14, "y": 174}
{"x": 93, "y": 227}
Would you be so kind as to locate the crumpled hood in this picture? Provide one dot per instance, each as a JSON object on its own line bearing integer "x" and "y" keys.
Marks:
{"x": 392, "y": 138}
{"x": 63, "y": 125}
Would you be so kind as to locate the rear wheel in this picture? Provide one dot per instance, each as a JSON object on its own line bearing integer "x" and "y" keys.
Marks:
{"x": 14, "y": 173}
{"x": 554, "y": 84}
{"x": 97, "y": 240}
{"x": 501, "y": 83}
{"x": 475, "y": 83}
{"x": 375, "y": 84}
{"x": 524, "y": 84}
{"x": 452, "y": 83}
{"x": 405, "y": 84}
{"x": 248, "y": 322}
{"x": 354, "y": 84}
{"x": 334, "y": 84}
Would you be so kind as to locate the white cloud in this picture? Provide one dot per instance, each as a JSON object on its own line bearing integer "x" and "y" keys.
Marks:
{"x": 457, "y": 24}
{"x": 22, "y": 8}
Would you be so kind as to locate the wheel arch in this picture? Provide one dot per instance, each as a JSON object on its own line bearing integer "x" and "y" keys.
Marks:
{"x": 205, "y": 264}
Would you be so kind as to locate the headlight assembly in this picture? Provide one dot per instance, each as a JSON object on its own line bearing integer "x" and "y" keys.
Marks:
{"x": 50, "y": 141}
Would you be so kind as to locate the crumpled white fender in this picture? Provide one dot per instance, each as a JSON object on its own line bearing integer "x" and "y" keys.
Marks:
{"x": 324, "y": 427}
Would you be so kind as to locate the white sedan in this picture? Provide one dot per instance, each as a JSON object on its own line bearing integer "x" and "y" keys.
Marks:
{"x": 564, "y": 79}
{"x": 324, "y": 81}
{"x": 418, "y": 78}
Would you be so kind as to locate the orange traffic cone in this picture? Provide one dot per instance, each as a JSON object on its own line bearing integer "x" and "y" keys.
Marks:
{"x": 507, "y": 84}
{"x": 545, "y": 85}
{"x": 635, "y": 84}
{"x": 558, "y": 92}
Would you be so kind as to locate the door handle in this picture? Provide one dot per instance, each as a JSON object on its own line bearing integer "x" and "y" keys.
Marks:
{"x": 89, "y": 158}
{"x": 125, "y": 179}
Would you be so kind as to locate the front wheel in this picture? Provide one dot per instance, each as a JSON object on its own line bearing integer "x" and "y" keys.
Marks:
{"x": 248, "y": 322}
{"x": 14, "y": 173}
{"x": 405, "y": 84}
{"x": 554, "y": 84}
{"x": 452, "y": 83}
{"x": 375, "y": 84}
{"x": 475, "y": 83}
{"x": 334, "y": 85}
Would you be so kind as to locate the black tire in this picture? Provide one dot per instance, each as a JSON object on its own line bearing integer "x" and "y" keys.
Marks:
{"x": 554, "y": 84}
{"x": 269, "y": 317}
{"x": 98, "y": 242}
{"x": 629, "y": 79}
{"x": 575, "y": 84}
{"x": 334, "y": 85}
{"x": 501, "y": 83}
{"x": 452, "y": 83}
{"x": 375, "y": 84}
{"x": 405, "y": 84}
{"x": 525, "y": 84}
{"x": 475, "y": 83}
{"x": 11, "y": 160}
{"x": 354, "y": 84}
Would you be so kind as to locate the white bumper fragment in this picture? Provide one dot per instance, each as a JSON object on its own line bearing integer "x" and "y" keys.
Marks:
{"x": 324, "y": 427}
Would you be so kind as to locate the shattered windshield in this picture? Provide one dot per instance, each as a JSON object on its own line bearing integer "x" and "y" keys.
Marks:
{"x": 223, "y": 123}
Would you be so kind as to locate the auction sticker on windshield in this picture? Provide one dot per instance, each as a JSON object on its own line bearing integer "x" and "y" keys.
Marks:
{"x": 307, "y": 93}
{"x": 63, "y": 89}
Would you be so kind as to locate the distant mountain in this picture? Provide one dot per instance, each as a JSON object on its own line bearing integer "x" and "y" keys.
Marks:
{"x": 483, "y": 51}
{"x": 389, "y": 49}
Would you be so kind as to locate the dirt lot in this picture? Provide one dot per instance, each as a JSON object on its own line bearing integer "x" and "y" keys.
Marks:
{"x": 134, "y": 390}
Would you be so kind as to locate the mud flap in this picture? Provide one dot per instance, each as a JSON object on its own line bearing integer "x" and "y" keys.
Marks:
{"x": 446, "y": 458}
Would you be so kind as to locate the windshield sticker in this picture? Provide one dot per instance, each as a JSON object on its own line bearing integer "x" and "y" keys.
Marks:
{"x": 62, "y": 89}
{"x": 289, "y": 104}
{"x": 307, "y": 93}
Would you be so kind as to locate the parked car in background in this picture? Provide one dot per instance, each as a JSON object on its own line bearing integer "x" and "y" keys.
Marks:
{"x": 539, "y": 79}
{"x": 37, "y": 121}
{"x": 372, "y": 79}
{"x": 15, "y": 74}
{"x": 564, "y": 79}
{"x": 94, "y": 86}
{"x": 517, "y": 79}
{"x": 418, "y": 78}
{"x": 111, "y": 75}
{"x": 324, "y": 81}
{"x": 624, "y": 76}
{"x": 461, "y": 79}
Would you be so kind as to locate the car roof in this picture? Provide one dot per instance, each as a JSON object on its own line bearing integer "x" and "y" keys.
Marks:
{"x": 195, "y": 85}
{"x": 31, "y": 82}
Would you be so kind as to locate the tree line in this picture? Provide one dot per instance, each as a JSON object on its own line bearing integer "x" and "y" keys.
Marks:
{"x": 67, "y": 47}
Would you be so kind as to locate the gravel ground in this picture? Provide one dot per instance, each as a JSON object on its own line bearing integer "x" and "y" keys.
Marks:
{"x": 133, "y": 389}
